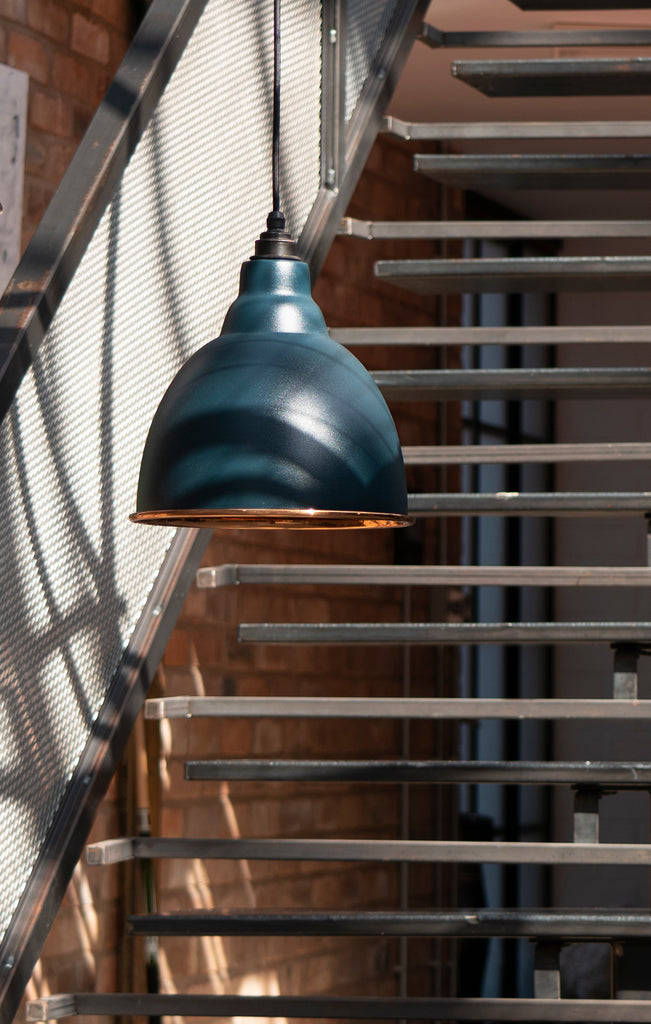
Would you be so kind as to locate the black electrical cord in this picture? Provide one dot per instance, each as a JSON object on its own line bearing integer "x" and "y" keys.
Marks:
{"x": 275, "y": 242}
{"x": 276, "y": 112}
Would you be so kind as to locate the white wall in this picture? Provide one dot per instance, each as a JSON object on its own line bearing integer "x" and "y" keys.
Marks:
{"x": 13, "y": 124}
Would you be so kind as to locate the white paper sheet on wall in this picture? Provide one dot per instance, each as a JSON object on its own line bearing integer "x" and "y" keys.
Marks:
{"x": 13, "y": 129}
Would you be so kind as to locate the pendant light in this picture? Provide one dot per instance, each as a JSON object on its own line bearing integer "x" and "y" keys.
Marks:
{"x": 273, "y": 424}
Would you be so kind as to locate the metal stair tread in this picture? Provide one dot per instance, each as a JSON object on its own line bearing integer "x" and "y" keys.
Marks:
{"x": 514, "y": 130}
{"x": 436, "y": 38}
{"x": 517, "y": 503}
{"x": 446, "y": 229}
{"x": 592, "y": 76}
{"x": 532, "y": 274}
{"x": 581, "y": 5}
{"x": 453, "y": 708}
{"x": 537, "y": 170}
{"x": 618, "y": 775}
{"x": 115, "y": 851}
{"x": 503, "y": 633}
{"x": 481, "y": 922}
{"x": 461, "y": 455}
{"x": 234, "y": 574}
{"x": 590, "y": 334}
{"x": 601, "y": 1011}
{"x": 573, "y": 382}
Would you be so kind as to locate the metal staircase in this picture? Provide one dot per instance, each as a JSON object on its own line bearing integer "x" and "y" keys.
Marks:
{"x": 550, "y": 928}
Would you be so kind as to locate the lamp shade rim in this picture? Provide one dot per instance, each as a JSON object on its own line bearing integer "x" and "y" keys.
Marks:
{"x": 270, "y": 518}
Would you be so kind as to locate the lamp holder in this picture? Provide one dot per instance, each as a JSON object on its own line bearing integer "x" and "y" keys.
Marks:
{"x": 275, "y": 242}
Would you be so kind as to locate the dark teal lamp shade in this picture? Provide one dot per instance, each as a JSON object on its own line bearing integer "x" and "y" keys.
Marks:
{"x": 273, "y": 424}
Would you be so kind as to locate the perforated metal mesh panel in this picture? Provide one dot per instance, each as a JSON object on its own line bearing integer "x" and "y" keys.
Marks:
{"x": 153, "y": 286}
{"x": 366, "y": 28}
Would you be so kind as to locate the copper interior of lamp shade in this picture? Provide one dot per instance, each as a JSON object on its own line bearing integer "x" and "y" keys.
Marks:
{"x": 270, "y": 519}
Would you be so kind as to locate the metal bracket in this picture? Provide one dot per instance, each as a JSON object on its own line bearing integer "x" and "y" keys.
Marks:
{"x": 586, "y": 815}
{"x": 625, "y": 672}
{"x": 546, "y": 970}
{"x": 333, "y": 95}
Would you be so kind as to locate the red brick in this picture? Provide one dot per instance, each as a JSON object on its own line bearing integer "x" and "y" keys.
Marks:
{"x": 15, "y": 10}
{"x": 37, "y": 196}
{"x": 76, "y": 77}
{"x": 3, "y": 45}
{"x": 49, "y": 19}
{"x": 50, "y": 113}
{"x": 36, "y": 156}
{"x": 29, "y": 227}
{"x": 177, "y": 651}
{"x": 171, "y": 822}
{"x": 118, "y": 13}
{"x": 119, "y": 46}
{"x": 81, "y": 118}
{"x": 236, "y": 738}
{"x": 47, "y": 162}
{"x": 90, "y": 38}
{"x": 106, "y": 972}
{"x": 196, "y": 603}
{"x": 25, "y": 52}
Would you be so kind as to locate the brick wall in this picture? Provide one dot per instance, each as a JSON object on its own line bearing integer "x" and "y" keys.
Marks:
{"x": 203, "y": 656}
{"x": 71, "y": 50}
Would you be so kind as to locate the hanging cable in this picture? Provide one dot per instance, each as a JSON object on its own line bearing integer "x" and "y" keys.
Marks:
{"x": 275, "y": 169}
{"x": 275, "y": 241}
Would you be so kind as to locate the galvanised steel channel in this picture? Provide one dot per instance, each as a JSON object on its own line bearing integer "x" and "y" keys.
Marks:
{"x": 457, "y": 385}
{"x": 115, "y": 851}
{"x": 600, "y": 76}
{"x": 502, "y": 454}
{"x": 516, "y": 130}
{"x": 435, "y": 38}
{"x": 594, "y": 334}
{"x": 517, "y": 503}
{"x": 587, "y": 925}
{"x": 502, "y": 633}
{"x": 538, "y": 171}
{"x": 601, "y": 1011}
{"x": 493, "y": 229}
{"x": 429, "y": 708}
{"x": 210, "y": 577}
{"x": 578, "y": 5}
{"x": 518, "y": 274}
{"x": 595, "y": 774}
